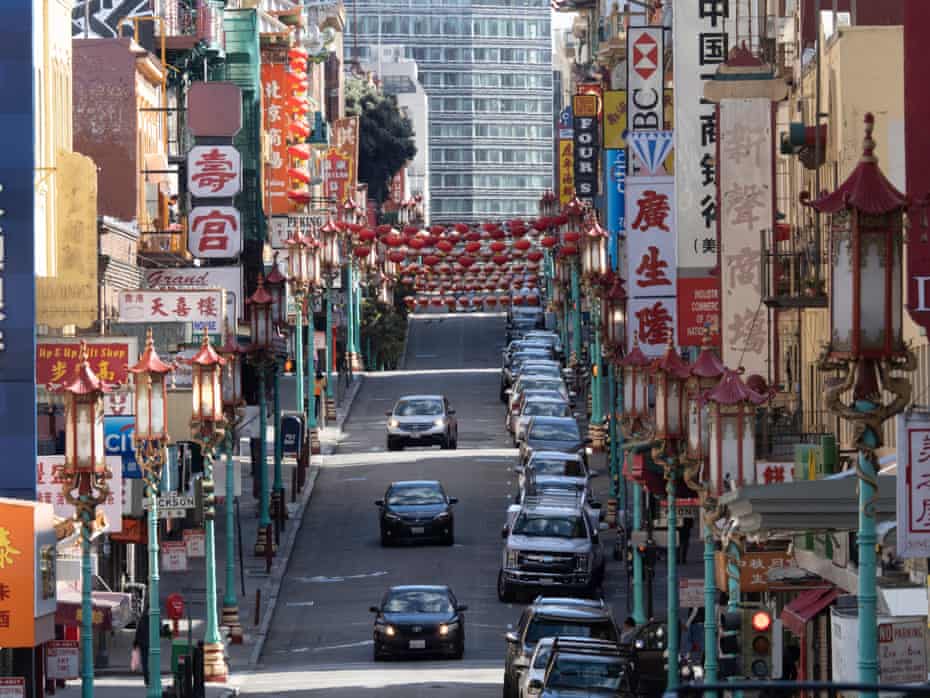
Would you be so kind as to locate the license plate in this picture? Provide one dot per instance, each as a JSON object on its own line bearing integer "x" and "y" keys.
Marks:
{"x": 416, "y": 530}
{"x": 414, "y": 435}
{"x": 418, "y": 644}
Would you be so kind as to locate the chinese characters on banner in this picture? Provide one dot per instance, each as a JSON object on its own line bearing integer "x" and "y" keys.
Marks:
{"x": 228, "y": 278}
{"x": 277, "y": 120}
{"x": 770, "y": 473}
{"x": 645, "y": 78}
{"x": 55, "y": 362}
{"x": 566, "y": 172}
{"x": 50, "y": 489}
{"x": 398, "y": 186}
{"x": 746, "y": 208}
{"x": 214, "y": 171}
{"x": 215, "y": 232}
{"x": 586, "y": 108}
{"x": 202, "y": 308}
{"x": 913, "y": 484}
{"x": 651, "y": 262}
{"x": 701, "y": 36}
{"x": 340, "y": 169}
{"x": 698, "y": 310}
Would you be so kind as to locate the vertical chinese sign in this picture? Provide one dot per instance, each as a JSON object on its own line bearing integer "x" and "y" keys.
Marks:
{"x": 586, "y": 108}
{"x": 277, "y": 123}
{"x": 566, "y": 156}
{"x": 340, "y": 164}
{"x": 701, "y": 40}
{"x": 214, "y": 177}
{"x": 746, "y": 208}
{"x": 615, "y": 111}
{"x": 913, "y": 484}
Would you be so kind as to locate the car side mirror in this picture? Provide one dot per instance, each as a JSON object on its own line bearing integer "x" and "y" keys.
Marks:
{"x": 461, "y": 607}
{"x": 512, "y": 638}
{"x": 388, "y": 413}
{"x": 451, "y": 412}
{"x": 453, "y": 500}
{"x": 379, "y": 502}
{"x": 536, "y": 685}
{"x": 374, "y": 609}
{"x": 504, "y": 533}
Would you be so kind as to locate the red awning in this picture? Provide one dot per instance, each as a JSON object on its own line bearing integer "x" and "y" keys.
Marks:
{"x": 807, "y": 605}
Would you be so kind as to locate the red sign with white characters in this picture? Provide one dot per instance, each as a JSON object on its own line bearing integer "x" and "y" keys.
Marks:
{"x": 214, "y": 171}
{"x": 337, "y": 173}
{"x": 215, "y": 232}
{"x": 698, "y": 309}
{"x": 55, "y": 362}
{"x": 174, "y": 607}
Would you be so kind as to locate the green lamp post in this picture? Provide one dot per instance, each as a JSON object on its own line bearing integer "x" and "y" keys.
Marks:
{"x": 85, "y": 485}
{"x": 303, "y": 274}
{"x": 594, "y": 265}
{"x": 613, "y": 309}
{"x": 150, "y": 436}
{"x": 276, "y": 284}
{"x": 331, "y": 263}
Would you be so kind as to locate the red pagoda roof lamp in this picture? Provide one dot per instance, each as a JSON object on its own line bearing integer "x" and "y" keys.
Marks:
{"x": 275, "y": 276}
{"x": 866, "y": 189}
{"x": 635, "y": 357}
{"x": 85, "y": 380}
{"x": 261, "y": 294}
{"x": 731, "y": 390}
{"x": 671, "y": 363}
{"x": 707, "y": 364}
{"x": 149, "y": 361}
{"x": 207, "y": 355}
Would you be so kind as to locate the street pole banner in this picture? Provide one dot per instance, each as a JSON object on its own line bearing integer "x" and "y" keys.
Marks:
{"x": 215, "y": 232}
{"x": 746, "y": 209}
{"x": 277, "y": 123}
{"x": 566, "y": 171}
{"x": 913, "y": 483}
{"x": 651, "y": 238}
{"x": 701, "y": 39}
{"x": 652, "y": 321}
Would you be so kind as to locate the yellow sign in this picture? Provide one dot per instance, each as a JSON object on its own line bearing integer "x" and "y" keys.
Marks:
{"x": 566, "y": 171}
{"x": 614, "y": 119}
{"x": 585, "y": 106}
{"x": 7, "y": 551}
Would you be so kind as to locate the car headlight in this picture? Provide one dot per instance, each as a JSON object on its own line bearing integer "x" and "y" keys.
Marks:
{"x": 393, "y": 423}
{"x": 446, "y": 628}
{"x": 588, "y": 450}
{"x": 512, "y": 558}
{"x": 389, "y": 630}
{"x": 441, "y": 515}
{"x": 439, "y": 422}
{"x": 391, "y": 517}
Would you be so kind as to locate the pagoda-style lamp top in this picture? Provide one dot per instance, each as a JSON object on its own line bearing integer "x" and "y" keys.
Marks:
{"x": 635, "y": 367}
{"x": 671, "y": 373}
{"x": 260, "y": 317}
{"x": 206, "y": 387}
{"x": 84, "y": 441}
{"x": 275, "y": 283}
{"x": 151, "y": 394}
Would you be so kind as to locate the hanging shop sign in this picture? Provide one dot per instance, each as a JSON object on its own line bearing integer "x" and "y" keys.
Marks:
{"x": 615, "y": 188}
{"x": 615, "y": 121}
{"x": 118, "y": 442}
{"x": 652, "y": 322}
{"x": 586, "y": 149}
{"x": 109, "y": 358}
{"x": 204, "y": 309}
{"x": 746, "y": 208}
{"x": 913, "y": 483}
{"x": 651, "y": 149}
{"x": 215, "y": 232}
{"x": 214, "y": 171}
{"x": 701, "y": 37}
{"x": 228, "y": 278}
{"x": 645, "y": 78}
{"x": 566, "y": 171}
{"x": 566, "y": 122}
{"x": 698, "y": 310}
{"x": 50, "y": 482}
{"x": 173, "y": 556}
{"x": 61, "y": 659}
{"x": 276, "y": 122}
{"x": 650, "y": 237}
{"x": 195, "y": 541}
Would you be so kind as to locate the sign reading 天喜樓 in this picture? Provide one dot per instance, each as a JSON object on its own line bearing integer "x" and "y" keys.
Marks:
{"x": 202, "y": 308}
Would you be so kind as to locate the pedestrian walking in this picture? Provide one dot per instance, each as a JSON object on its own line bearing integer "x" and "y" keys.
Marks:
{"x": 141, "y": 641}
{"x": 628, "y": 632}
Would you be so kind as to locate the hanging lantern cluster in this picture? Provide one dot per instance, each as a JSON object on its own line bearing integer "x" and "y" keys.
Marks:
{"x": 298, "y": 129}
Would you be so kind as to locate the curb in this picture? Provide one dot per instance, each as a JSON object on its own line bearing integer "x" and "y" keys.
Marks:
{"x": 272, "y": 587}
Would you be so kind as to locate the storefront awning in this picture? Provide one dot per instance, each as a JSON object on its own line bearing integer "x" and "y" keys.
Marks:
{"x": 903, "y": 601}
{"x": 805, "y": 606}
{"x": 111, "y": 610}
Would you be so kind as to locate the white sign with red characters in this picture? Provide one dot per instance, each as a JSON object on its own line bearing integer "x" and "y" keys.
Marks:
{"x": 913, "y": 491}
{"x": 768, "y": 473}
{"x": 215, "y": 232}
{"x": 51, "y": 480}
{"x": 61, "y": 659}
{"x": 653, "y": 321}
{"x": 214, "y": 171}
{"x": 650, "y": 237}
{"x": 202, "y": 308}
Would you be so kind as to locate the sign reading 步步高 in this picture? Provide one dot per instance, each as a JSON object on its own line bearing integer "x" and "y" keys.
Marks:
{"x": 701, "y": 38}
{"x": 746, "y": 208}
{"x": 645, "y": 78}
{"x": 913, "y": 484}
{"x": 586, "y": 108}
{"x": 56, "y": 361}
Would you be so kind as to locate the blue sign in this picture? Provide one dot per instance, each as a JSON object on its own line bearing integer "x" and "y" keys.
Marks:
{"x": 615, "y": 171}
{"x": 117, "y": 439}
{"x": 17, "y": 243}
{"x": 566, "y": 123}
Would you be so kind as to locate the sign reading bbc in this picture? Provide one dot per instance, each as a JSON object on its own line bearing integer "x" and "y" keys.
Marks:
{"x": 117, "y": 439}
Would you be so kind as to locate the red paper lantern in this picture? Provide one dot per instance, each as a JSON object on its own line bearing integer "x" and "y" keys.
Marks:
{"x": 366, "y": 235}
{"x": 444, "y": 245}
{"x": 498, "y": 247}
{"x": 549, "y": 241}
{"x": 500, "y": 259}
{"x": 431, "y": 260}
{"x": 396, "y": 256}
{"x": 466, "y": 261}
{"x": 572, "y": 236}
{"x": 522, "y": 244}
{"x": 534, "y": 256}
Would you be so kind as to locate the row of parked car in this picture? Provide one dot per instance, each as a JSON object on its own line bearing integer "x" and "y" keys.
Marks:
{"x": 566, "y": 642}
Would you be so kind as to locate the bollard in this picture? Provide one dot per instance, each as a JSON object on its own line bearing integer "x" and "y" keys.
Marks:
{"x": 294, "y": 483}
{"x": 269, "y": 548}
{"x": 258, "y": 607}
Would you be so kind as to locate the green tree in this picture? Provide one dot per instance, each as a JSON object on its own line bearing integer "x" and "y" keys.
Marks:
{"x": 385, "y": 141}
{"x": 384, "y": 326}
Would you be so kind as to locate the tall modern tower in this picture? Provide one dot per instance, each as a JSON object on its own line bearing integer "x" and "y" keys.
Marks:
{"x": 486, "y": 66}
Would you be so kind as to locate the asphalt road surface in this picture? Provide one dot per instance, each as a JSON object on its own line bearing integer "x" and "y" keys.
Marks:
{"x": 320, "y": 642}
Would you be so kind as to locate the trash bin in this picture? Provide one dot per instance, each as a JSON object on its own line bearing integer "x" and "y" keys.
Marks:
{"x": 179, "y": 646}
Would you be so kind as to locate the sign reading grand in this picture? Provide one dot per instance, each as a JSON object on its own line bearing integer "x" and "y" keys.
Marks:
{"x": 201, "y": 278}
{"x": 214, "y": 171}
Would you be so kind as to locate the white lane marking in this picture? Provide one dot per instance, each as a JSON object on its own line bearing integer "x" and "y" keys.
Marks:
{"x": 290, "y": 604}
{"x": 355, "y": 479}
{"x": 330, "y": 580}
{"x": 345, "y": 645}
{"x": 426, "y": 356}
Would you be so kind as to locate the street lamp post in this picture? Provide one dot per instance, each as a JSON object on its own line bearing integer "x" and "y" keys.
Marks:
{"x": 150, "y": 437}
{"x": 331, "y": 261}
{"x": 276, "y": 284}
{"x": 303, "y": 273}
{"x": 232, "y": 400}
{"x": 614, "y": 309}
{"x": 261, "y": 358}
{"x": 594, "y": 269}
{"x": 867, "y": 348}
{"x": 85, "y": 486}
{"x": 208, "y": 429}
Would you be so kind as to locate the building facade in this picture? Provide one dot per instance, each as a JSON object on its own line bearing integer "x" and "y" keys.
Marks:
{"x": 487, "y": 69}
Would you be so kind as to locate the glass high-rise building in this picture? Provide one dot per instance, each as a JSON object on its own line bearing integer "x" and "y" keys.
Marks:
{"x": 486, "y": 66}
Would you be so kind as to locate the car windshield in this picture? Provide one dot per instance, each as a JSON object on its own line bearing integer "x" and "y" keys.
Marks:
{"x": 534, "y": 383}
{"x": 418, "y": 407}
{"x": 537, "y": 369}
{"x": 571, "y": 673}
{"x": 551, "y": 466}
{"x": 555, "y": 431}
{"x": 542, "y": 657}
{"x": 546, "y": 409}
{"x": 417, "y": 601}
{"x": 553, "y": 627}
{"x": 412, "y": 495}
{"x": 543, "y": 526}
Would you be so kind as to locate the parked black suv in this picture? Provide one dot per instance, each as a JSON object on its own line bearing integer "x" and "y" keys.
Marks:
{"x": 551, "y": 617}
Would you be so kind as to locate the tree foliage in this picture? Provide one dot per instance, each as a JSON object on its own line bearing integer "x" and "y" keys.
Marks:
{"x": 385, "y": 136}
{"x": 385, "y": 327}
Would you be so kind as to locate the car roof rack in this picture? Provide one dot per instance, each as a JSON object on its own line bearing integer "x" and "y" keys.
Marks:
{"x": 589, "y": 646}
{"x": 569, "y": 601}
{"x": 551, "y": 500}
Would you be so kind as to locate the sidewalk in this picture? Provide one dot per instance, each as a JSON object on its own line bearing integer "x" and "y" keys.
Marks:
{"x": 256, "y": 605}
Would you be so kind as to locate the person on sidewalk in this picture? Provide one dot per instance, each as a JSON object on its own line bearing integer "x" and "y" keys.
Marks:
{"x": 628, "y": 632}
{"x": 687, "y": 524}
{"x": 141, "y": 641}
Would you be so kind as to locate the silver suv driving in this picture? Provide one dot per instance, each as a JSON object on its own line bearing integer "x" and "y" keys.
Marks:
{"x": 551, "y": 543}
{"x": 422, "y": 420}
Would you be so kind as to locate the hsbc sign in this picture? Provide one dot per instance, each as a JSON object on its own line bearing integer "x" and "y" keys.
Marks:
{"x": 645, "y": 78}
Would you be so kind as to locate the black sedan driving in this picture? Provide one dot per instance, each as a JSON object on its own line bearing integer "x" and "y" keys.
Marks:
{"x": 416, "y": 510}
{"x": 419, "y": 620}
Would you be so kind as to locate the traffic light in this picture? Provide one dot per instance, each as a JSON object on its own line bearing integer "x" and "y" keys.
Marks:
{"x": 757, "y": 635}
{"x": 649, "y": 552}
{"x": 730, "y": 644}
{"x": 204, "y": 495}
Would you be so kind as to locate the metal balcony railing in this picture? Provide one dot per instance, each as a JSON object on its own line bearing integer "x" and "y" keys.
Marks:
{"x": 200, "y": 19}
{"x": 779, "y": 429}
{"x": 793, "y": 270}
